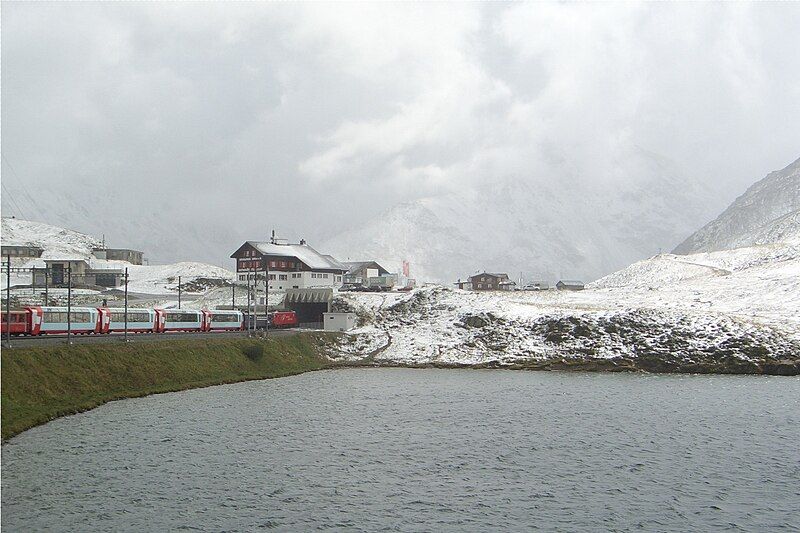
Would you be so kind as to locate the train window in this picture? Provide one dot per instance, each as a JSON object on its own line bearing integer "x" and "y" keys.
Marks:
{"x": 182, "y": 317}
{"x": 222, "y": 317}
{"x": 80, "y": 316}
{"x": 133, "y": 316}
{"x": 51, "y": 317}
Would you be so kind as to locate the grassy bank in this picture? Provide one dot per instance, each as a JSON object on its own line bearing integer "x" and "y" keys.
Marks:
{"x": 42, "y": 383}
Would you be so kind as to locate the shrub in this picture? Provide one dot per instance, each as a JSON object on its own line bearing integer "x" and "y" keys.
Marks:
{"x": 254, "y": 352}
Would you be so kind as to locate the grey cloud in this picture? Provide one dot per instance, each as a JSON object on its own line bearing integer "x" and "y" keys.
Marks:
{"x": 313, "y": 117}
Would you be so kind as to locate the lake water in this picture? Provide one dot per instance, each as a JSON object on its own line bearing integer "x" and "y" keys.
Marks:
{"x": 411, "y": 450}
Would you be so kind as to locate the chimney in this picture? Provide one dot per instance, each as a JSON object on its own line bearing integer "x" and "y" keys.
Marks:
{"x": 302, "y": 241}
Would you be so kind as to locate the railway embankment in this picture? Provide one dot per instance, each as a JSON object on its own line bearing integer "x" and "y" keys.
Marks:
{"x": 40, "y": 383}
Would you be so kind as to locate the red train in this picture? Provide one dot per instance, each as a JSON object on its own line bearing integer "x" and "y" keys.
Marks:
{"x": 100, "y": 320}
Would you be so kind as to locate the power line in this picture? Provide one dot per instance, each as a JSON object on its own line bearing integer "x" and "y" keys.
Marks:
{"x": 11, "y": 196}
{"x": 24, "y": 187}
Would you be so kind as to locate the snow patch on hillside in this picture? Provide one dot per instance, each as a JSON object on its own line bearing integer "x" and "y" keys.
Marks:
{"x": 766, "y": 213}
{"x": 60, "y": 243}
{"x": 56, "y": 242}
{"x": 163, "y": 279}
{"x": 741, "y": 303}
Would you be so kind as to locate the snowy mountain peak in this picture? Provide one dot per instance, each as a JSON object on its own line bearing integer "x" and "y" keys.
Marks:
{"x": 766, "y": 212}
{"x": 551, "y": 224}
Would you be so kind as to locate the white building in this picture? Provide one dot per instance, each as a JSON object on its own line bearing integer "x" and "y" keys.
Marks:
{"x": 289, "y": 266}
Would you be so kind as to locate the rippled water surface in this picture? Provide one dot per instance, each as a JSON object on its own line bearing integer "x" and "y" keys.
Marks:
{"x": 395, "y": 449}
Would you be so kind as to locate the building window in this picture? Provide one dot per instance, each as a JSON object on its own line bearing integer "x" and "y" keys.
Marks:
{"x": 283, "y": 277}
{"x": 272, "y": 276}
{"x": 272, "y": 264}
{"x": 325, "y": 276}
{"x": 480, "y": 285}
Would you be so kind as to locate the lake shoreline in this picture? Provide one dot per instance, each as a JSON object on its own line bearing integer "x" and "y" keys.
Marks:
{"x": 40, "y": 384}
{"x": 43, "y": 383}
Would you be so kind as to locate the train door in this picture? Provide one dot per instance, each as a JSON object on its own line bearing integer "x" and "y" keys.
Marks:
{"x": 161, "y": 320}
{"x": 103, "y": 320}
{"x": 205, "y": 317}
{"x": 34, "y": 320}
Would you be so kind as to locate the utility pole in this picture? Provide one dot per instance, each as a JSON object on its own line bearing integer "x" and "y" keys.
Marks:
{"x": 266, "y": 296}
{"x": 233, "y": 296}
{"x": 179, "y": 292}
{"x": 126, "y": 304}
{"x": 8, "y": 301}
{"x": 249, "y": 317}
{"x": 255, "y": 300}
{"x": 69, "y": 303}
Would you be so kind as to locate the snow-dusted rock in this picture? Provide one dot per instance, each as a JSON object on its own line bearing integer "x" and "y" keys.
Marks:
{"x": 767, "y": 212}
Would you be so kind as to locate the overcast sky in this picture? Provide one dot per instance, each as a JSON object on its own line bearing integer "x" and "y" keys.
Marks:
{"x": 321, "y": 115}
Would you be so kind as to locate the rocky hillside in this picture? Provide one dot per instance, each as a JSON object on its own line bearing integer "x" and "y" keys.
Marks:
{"x": 447, "y": 327}
{"x": 769, "y": 211}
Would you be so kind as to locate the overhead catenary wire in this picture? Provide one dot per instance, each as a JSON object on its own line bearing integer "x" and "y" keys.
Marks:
{"x": 26, "y": 192}
{"x": 13, "y": 201}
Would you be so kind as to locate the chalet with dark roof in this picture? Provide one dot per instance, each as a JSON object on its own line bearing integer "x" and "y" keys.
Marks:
{"x": 289, "y": 266}
{"x": 570, "y": 285}
{"x": 491, "y": 281}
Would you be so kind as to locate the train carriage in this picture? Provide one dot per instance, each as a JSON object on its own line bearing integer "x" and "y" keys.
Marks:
{"x": 17, "y": 324}
{"x": 51, "y": 320}
{"x": 182, "y": 320}
{"x": 139, "y": 320}
{"x": 282, "y": 319}
{"x": 223, "y": 320}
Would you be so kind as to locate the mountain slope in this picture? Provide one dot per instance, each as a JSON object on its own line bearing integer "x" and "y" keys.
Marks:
{"x": 556, "y": 225}
{"x": 55, "y": 241}
{"x": 766, "y": 212}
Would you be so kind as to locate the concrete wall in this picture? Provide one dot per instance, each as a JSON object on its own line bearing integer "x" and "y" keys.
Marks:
{"x": 339, "y": 321}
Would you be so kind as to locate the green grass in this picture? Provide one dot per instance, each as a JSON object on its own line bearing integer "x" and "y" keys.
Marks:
{"x": 45, "y": 382}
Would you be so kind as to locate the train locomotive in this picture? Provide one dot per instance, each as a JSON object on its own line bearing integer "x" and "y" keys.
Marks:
{"x": 44, "y": 320}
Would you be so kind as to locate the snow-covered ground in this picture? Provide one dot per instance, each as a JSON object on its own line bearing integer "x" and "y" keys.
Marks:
{"x": 744, "y": 303}
{"x": 60, "y": 243}
{"x": 163, "y": 279}
{"x": 56, "y": 242}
